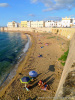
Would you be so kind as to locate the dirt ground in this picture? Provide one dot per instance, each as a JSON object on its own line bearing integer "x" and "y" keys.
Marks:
{"x": 49, "y": 69}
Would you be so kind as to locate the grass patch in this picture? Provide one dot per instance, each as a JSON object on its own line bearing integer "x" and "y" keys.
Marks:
{"x": 51, "y": 37}
{"x": 44, "y": 33}
{"x": 64, "y": 57}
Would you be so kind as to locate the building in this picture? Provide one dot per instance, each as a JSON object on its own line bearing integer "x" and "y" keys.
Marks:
{"x": 37, "y": 24}
{"x": 19, "y": 24}
{"x": 29, "y": 23}
{"x": 23, "y": 23}
{"x": 41, "y": 24}
{"x": 55, "y": 24}
{"x": 66, "y": 22}
{"x": 49, "y": 23}
{"x": 12, "y": 24}
{"x": 59, "y": 24}
{"x": 34, "y": 24}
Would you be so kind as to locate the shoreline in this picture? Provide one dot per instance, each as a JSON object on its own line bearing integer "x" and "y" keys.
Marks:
{"x": 17, "y": 66}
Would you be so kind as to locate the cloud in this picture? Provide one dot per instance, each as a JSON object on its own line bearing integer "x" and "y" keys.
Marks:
{"x": 56, "y": 4}
{"x": 72, "y": 16}
{"x": 54, "y": 18}
{"x": 32, "y": 15}
{"x": 34, "y": 1}
{"x": 4, "y": 4}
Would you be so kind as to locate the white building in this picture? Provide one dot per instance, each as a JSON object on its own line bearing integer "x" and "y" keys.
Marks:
{"x": 59, "y": 24}
{"x": 49, "y": 24}
{"x": 34, "y": 24}
{"x": 12, "y": 24}
{"x": 41, "y": 24}
{"x": 37, "y": 24}
{"x": 28, "y": 23}
{"x": 65, "y": 22}
{"x": 55, "y": 24}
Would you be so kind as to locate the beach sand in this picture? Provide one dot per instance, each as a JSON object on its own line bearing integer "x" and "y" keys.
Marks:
{"x": 49, "y": 69}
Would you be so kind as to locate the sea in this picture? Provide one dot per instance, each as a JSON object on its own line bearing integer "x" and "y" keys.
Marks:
{"x": 13, "y": 45}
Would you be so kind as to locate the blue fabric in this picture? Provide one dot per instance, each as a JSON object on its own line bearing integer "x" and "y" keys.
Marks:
{"x": 33, "y": 73}
{"x": 25, "y": 79}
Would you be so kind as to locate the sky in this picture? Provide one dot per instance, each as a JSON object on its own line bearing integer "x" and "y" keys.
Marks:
{"x": 33, "y": 10}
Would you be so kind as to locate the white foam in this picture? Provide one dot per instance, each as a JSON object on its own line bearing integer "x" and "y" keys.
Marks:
{"x": 27, "y": 44}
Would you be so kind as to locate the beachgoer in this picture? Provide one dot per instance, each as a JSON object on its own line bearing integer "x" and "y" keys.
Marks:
{"x": 40, "y": 83}
{"x": 40, "y": 56}
{"x": 44, "y": 85}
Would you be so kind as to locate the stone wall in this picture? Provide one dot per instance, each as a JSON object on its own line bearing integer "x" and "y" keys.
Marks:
{"x": 66, "y": 87}
{"x": 26, "y": 29}
{"x": 67, "y": 32}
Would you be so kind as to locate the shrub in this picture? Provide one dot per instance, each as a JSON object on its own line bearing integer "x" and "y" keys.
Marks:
{"x": 64, "y": 57}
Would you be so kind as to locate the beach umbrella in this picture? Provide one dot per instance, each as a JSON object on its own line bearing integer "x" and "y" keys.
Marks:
{"x": 33, "y": 73}
{"x": 25, "y": 80}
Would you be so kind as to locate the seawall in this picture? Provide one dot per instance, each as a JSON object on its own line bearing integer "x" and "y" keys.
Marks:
{"x": 66, "y": 87}
{"x": 66, "y": 32}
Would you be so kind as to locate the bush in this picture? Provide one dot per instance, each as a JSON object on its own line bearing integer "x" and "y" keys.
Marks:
{"x": 64, "y": 57}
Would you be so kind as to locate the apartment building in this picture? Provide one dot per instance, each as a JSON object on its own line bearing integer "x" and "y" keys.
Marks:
{"x": 34, "y": 24}
{"x": 37, "y": 24}
{"x": 29, "y": 23}
{"x": 66, "y": 22}
{"x": 12, "y": 24}
{"x": 41, "y": 24}
{"x": 59, "y": 24}
{"x": 49, "y": 23}
{"x": 24, "y": 23}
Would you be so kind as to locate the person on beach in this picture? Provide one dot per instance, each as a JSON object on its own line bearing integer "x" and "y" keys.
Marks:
{"x": 40, "y": 83}
{"x": 45, "y": 86}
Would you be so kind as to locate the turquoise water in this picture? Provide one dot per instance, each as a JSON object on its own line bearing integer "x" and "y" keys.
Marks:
{"x": 11, "y": 47}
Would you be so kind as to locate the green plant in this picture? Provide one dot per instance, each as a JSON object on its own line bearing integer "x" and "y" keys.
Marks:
{"x": 64, "y": 57}
{"x": 50, "y": 37}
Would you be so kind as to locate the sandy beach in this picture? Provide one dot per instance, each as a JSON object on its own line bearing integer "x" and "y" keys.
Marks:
{"x": 49, "y": 69}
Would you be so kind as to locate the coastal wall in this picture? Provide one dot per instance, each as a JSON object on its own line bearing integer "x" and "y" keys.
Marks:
{"x": 66, "y": 32}
{"x": 66, "y": 87}
{"x": 27, "y": 29}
